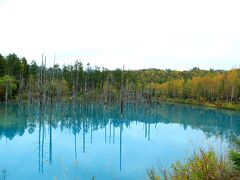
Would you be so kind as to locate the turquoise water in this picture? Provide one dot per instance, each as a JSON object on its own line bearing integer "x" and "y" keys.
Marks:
{"x": 69, "y": 142}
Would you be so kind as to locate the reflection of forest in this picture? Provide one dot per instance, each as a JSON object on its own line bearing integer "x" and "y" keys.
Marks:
{"x": 16, "y": 120}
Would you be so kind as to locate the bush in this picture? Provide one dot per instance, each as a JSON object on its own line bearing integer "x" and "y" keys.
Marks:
{"x": 234, "y": 155}
{"x": 152, "y": 175}
{"x": 203, "y": 165}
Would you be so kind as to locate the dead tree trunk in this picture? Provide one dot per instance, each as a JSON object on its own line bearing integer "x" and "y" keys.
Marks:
{"x": 122, "y": 94}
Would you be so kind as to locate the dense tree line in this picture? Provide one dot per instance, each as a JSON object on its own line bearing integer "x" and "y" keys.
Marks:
{"x": 23, "y": 81}
{"x": 211, "y": 87}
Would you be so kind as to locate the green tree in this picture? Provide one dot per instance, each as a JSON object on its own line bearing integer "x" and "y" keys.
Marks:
{"x": 13, "y": 66}
{"x": 2, "y": 66}
{"x": 8, "y": 83}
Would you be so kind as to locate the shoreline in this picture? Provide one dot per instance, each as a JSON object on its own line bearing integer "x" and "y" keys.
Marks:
{"x": 215, "y": 105}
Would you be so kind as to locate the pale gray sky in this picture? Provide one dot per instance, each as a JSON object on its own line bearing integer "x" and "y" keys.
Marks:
{"x": 176, "y": 34}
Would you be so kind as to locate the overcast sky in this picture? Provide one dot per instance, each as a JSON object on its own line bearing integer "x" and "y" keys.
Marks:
{"x": 164, "y": 34}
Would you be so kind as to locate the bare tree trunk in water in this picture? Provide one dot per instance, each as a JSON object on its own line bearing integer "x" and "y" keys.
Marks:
{"x": 6, "y": 93}
{"x": 122, "y": 93}
{"x": 106, "y": 92}
{"x": 77, "y": 81}
{"x": 232, "y": 94}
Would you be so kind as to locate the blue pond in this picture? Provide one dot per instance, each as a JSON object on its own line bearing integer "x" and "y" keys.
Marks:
{"x": 66, "y": 142}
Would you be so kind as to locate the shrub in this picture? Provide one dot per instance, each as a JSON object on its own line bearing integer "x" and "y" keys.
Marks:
{"x": 234, "y": 155}
{"x": 203, "y": 165}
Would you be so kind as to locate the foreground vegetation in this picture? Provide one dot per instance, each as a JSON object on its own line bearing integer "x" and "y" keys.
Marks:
{"x": 205, "y": 165}
{"x": 23, "y": 81}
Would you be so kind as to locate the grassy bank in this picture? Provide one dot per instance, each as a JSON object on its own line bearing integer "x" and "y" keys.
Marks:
{"x": 203, "y": 165}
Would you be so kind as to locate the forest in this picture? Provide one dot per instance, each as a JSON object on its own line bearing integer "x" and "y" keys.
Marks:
{"x": 27, "y": 82}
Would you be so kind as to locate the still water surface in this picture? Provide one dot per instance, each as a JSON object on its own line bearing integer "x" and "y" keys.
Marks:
{"x": 69, "y": 142}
